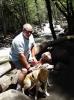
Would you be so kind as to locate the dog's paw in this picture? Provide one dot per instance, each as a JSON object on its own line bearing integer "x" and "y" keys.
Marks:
{"x": 47, "y": 94}
{"x": 35, "y": 98}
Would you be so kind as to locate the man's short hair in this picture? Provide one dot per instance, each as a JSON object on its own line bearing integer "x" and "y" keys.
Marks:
{"x": 27, "y": 27}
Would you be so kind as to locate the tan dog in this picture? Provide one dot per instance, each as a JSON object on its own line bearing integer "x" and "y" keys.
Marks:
{"x": 37, "y": 78}
{"x": 39, "y": 74}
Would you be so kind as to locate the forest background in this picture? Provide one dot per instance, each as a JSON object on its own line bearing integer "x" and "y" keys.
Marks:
{"x": 14, "y": 13}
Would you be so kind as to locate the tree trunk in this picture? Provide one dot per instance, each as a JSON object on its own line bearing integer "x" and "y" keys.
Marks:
{"x": 24, "y": 18}
{"x": 38, "y": 13}
{"x": 68, "y": 13}
{"x": 48, "y": 5}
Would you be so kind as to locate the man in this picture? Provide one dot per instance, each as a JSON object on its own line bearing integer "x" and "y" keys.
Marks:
{"x": 23, "y": 51}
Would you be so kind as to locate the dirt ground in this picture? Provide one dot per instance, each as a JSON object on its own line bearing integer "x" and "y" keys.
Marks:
{"x": 56, "y": 93}
{"x": 62, "y": 88}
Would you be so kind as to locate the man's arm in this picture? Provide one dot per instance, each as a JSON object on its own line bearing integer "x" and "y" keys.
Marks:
{"x": 23, "y": 61}
{"x": 33, "y": 51}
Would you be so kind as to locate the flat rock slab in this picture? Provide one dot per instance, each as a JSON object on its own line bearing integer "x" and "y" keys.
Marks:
{"x": 4, "y": 68}
{"x": 8, "y": 79}
{"x": 4, "y": 54}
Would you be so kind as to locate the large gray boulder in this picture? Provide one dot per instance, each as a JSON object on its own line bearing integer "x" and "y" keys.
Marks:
{"x": 13, "y": 95}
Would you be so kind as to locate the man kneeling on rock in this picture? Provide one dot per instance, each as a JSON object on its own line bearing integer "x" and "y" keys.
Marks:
{"x": 22, "y": 54}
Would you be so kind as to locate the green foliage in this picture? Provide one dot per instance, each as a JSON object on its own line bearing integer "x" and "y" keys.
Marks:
{"x": 66, "y": 7}
{"x": 14, "y": 13}
{"x": 33, "y": 10}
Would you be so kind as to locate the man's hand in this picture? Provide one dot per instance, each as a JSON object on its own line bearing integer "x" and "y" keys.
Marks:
{"x": 33, "y": 61}
{"x": 23, "y": 61}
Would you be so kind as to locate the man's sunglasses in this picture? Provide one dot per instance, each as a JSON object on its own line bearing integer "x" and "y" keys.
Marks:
{"x": 27, "y": 31}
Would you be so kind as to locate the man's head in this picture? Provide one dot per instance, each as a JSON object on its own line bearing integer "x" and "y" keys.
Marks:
{"x": 27, "y": 30}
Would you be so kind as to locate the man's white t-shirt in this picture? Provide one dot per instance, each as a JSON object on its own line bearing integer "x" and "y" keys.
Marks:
{"x": 20, "y": 44}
